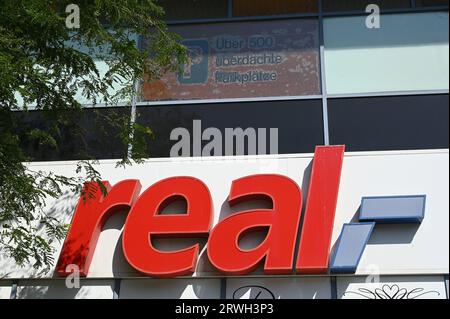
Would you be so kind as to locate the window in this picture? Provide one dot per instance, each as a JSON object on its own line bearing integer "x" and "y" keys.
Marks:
{"x": 299, "y": 123}
{"x": 243, "y": 8}
{"x": 100, "y": 56}
{"x": 393, "y": 287}
{"x": 431, "y": 3}
{"x": 194, "y": 9}
{"x": 409, "y": 52}
{"x": 57, "y": 289}
{"x": 243, "y": 60}
{"x": 278, "y": 288}
{"x": 93, "y": 138}
{"x": 360, "y": 5}
{"x": 170, "y": 289}
{"x": 390, "y": 123}
{"x": 5, "y": 289}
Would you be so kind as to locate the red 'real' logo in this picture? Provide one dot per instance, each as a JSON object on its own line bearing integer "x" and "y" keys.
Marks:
{"x": 282, "y": 222}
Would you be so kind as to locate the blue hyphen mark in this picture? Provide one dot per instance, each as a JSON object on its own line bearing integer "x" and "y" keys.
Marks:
{"x": 355, "y": 236}
{"x": 394, "y": 209}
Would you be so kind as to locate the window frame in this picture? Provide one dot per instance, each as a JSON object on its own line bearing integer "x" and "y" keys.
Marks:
{"x": 321, "y": 15}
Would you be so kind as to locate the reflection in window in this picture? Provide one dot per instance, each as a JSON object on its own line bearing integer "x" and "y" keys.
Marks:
{"x": 394, "y": 287}
{"x": 169, "y": 289}
{"x": 431, "y": 3}
{"x": 409, "y": 52}
{"x": 117, "y": 90}
{"x": 299, "y": 123}
{"x": 243, "y": 60}
{"x": 360, "y": 5}
{"x": 56, "y": 289}
{"x": 90, "y": 134}
{"x": 390, "y": 123}
{"x": 243, "y": 8}
{"x": 194, "y": 9}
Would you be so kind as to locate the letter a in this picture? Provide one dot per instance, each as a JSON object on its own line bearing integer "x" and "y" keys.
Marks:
{"x": 283, "y": 220}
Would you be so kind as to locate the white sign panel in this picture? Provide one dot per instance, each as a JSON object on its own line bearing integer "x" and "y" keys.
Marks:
{"x": 57, "y": 289}
{"x": 279, "y": 288}
{"x": 392, "y": 288}
{"x": 170, "y": 289}
{"x": 392, "y": 249}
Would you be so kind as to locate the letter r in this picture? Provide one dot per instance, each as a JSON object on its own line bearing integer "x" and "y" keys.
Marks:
{"x": 89, "y": 218}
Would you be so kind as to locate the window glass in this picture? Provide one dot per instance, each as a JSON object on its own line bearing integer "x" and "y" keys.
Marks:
{"x": 103, "y": 61}
{"x": 360, "y": 5}
{"x": 57, "y": 289}
{"x": 242, "y": 60}
{"x": 116, "y": 87}
{"x": 431, "y": 3}
{"x": 5, "y": 289}
{"x": 194, "y": 9}
{"x": 391, "y": 287}
{"x": 100, "y": 101}
{"x": 170, "y": 289}
{"x": 85, "y": 135}
{"x": 390, "y": 123}
{"x": 279, "y": 288}
{"x": 408, "y": 52}
{"x": 242, "y": 8}
{"x": 299, "y": 124}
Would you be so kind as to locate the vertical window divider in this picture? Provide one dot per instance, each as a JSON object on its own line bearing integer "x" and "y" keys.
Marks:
{"x": 326, "y": 131}
{"x": 230, "y": 9}
{"x": 134, "y": 102}
{"x": 223, "y": 288}
{"x": 446, "y": 278}
{"x": 334, "y": 290}
{"x": 13, "y": 294}
{"x": 133, "y": 116}
{"x": 116, "y": 288}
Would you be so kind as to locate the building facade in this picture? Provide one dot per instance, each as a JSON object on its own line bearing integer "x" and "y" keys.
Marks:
{"x": 266, "y": 83}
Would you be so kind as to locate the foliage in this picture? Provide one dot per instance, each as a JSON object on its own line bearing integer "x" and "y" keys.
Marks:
{"x": 44, "y": 65}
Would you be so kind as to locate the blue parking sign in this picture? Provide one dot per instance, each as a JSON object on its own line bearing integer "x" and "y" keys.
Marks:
{"x": 196, "y": 70}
